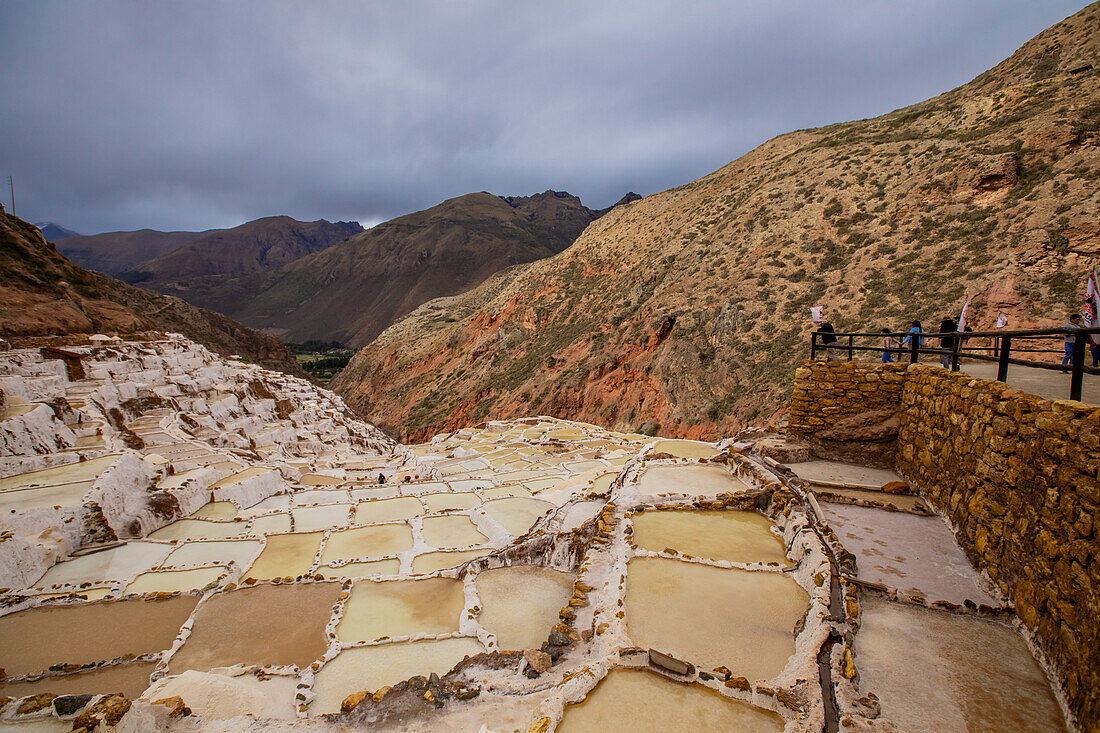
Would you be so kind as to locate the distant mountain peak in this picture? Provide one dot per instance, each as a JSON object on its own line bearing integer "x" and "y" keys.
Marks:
{"x": 53, "y": 231}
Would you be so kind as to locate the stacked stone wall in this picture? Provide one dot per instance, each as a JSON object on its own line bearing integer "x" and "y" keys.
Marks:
{"x": 848, "y": 411}
{"x": 1017, "y": 475}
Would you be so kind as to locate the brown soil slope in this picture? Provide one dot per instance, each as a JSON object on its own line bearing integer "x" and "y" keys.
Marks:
{"x": 352, "y": 291}
{"x": 689, "y": 308}
{"x": 42, "y": 293}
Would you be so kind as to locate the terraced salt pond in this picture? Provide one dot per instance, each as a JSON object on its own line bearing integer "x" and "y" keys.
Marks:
{"x": 743, "y": 537}
{"x": 451, "y": 531}
{"x": 363, "y": 542}
{"x": 286, "y": 555}
{"x": 714, "y": 616}
{"x": 646, "y": 702}
{"x": 170, "y": 581}
{"x": 373, "y": 667}
{"x": 402, "y": 608}
{"x": 941, "y": 672}
{"x": 35, "y": 639}
{"x": 130, "y": 679}
{"x": 522, "y": 620}
{"x": 517, "y": 515}
{"x": 694, "y": 480}
{"x": 429, "y": 562}
{"x": 409, "y": 575}
{"x": 228, "y": 629}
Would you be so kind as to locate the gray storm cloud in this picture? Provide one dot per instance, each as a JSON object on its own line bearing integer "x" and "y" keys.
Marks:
{"x": 191, "y": 115}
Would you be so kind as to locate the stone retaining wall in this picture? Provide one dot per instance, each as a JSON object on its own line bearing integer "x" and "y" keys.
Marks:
{"x": 848, "y": 411}
{"x": 1017, "y": 475}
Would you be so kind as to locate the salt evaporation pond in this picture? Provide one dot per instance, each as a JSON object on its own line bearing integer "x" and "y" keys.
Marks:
{"x": 35, "y": 639}
{"x": 388, "y": 510}
{"x": 322, "y": 496}
{"x": 429, "y": 562}
{"x": 517, "y": 515}
{"x": 401, "y": 608}
{"x": 170, "y": 581}
{"x": 116, "y": 563}
{"x": 685, "y": 449}
{"x": 366, "y": 569}
{"x": 938, "y": 672}
{"x": 263, "y": 625}
{"x": 216, "y": 510}
{"x": 645, "y": 702}
{"x": 315, "y": 518}
{"x": 220, "y": 697}
{"x": 199, "y": 529}
{"x": 693, "y": 480}
{"x": 286, "y": 555}
{"x": 908, "y": 551}
{"x": 371, "y": 541}
{"x": 451, "y": 532}
{"x": 580, "y": 513}
{"x": 505, "y": 492}
{"x": 714, "y": 616}
{"x": 197, "y": 554}
{"x": 744, "y": 537}
{"x": 520, "y": 603}
{"x": 130, "y": 679}
{"x": 270, "y": 524}
{"x": 373, "y": 667}
{"x": 444, "y": 502}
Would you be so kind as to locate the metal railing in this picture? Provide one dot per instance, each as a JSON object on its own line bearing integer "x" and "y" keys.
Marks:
{"x": 954, "y": 345}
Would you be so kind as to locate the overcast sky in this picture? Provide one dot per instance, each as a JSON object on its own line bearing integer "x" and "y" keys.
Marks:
{"x": 192, "y": 115}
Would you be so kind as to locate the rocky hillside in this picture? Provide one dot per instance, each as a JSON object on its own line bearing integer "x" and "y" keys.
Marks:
{"x": 262, "y": 244}
{"x": 114, "y": 252}
{"x": 42, "y": 293}
{"x": 687, "y": 310}
{"x": 352, "y": 291}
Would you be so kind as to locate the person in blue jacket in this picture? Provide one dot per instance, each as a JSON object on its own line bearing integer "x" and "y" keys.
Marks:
{"x": 913, "y": 334}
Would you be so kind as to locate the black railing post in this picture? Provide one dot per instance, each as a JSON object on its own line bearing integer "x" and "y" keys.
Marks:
{"x": 956, "y": 344}
{"x": 850, "y": 353}
{"x": 813, "y": 345}
{"x": 1077, "y": 378}
{"x": 1002, "y": 359}
{"x": 914, "y": 350}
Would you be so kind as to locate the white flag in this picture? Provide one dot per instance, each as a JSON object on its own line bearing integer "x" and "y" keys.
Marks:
{"x": 817, "y": 313}
{"x": 962, "y": 316}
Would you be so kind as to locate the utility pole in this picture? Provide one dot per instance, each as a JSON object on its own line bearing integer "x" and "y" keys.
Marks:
{"x": 11, "y": 183}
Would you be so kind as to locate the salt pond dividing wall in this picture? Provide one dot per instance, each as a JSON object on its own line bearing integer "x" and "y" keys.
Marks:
{"x": 1017, "y": 475}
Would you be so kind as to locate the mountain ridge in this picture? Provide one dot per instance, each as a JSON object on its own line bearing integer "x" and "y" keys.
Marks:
{"x": 351, "y": 291}
{"x": 42, "y": 293}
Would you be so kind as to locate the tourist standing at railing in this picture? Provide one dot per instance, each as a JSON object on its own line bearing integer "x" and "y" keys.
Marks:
{"x": 828, "y": 338}
{"x": 888, "y": 345}
{"x": 908, "y": 341}
{"x": 947, "y": 343}
{"x": 1071, "y": 338}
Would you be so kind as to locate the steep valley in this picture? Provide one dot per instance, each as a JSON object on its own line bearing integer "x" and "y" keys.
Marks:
{"x": 352, "y": 291}
{"x": 686, "y": 311}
